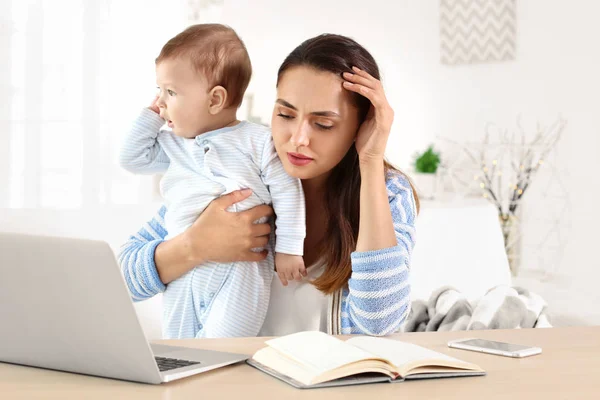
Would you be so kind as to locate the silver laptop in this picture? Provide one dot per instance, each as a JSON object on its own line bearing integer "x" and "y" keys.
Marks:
{"x": 64, "y": 306}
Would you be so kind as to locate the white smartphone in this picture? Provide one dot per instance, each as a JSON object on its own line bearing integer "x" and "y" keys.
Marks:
{"x": 497, "y": 348}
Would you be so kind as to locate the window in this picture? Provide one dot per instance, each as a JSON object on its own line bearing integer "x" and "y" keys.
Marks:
{"x": 76, "y": 74}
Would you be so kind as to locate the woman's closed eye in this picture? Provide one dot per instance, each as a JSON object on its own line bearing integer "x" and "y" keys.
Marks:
{"x": 284, "y": 116}
{"x": 325, "y": 127}
{"x": 319, "y": 125}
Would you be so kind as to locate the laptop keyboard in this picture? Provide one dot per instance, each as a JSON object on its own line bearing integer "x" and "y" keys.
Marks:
{"x": 167, "y": 364}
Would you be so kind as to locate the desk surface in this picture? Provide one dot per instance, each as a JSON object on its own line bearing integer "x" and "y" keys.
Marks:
{"x": 569, "y": 367}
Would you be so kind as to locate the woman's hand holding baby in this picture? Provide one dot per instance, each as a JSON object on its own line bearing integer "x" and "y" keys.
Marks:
{"x": 217, "y": 235}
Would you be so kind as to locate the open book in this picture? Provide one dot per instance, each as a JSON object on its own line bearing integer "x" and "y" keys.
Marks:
{"x": 315, "y": 359}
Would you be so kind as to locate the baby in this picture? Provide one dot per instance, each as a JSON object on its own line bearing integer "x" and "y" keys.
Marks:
{"x": 202, "y": 74}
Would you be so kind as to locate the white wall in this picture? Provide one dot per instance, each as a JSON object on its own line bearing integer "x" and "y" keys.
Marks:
{"x": 555, "y": 71}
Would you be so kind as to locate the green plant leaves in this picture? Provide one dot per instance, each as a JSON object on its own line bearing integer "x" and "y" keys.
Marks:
{"x": 427, "y": 162}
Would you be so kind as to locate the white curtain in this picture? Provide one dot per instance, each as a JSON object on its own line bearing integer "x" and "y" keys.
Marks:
{"x": 73, "y": 75}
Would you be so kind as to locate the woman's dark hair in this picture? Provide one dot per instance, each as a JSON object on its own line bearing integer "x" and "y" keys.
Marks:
{"x": 338, "y": 54}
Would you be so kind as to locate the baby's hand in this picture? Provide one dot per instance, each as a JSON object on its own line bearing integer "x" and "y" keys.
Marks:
{"x": 153, "y": 106}
{"x": 289, "y": 267}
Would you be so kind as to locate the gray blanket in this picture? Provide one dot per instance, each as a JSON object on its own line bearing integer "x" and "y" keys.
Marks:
{"x": 502, "y": 307}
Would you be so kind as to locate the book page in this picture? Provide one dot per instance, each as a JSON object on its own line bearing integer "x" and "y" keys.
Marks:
{"x": 284, "y": 365}
{"x": 402, "y": 354}
{"x": 318, "y": 351}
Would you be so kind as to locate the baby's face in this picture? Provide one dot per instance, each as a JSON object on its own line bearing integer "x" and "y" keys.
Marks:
{"x": 184, "y": 97}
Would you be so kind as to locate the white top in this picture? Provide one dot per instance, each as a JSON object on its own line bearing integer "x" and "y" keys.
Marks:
{"x": 297, "y": 307}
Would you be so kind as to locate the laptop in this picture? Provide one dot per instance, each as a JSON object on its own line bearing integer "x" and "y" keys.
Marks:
{"x": 64, "y": 306}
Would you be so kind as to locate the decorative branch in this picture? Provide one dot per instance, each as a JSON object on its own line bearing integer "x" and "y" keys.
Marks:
{"x": 506, "y": 170}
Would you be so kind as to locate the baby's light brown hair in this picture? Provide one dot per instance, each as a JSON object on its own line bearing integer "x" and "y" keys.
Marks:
{"x": 216, "y": 51}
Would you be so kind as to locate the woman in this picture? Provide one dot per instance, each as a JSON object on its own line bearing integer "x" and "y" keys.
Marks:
{"x": 330, "y": 126}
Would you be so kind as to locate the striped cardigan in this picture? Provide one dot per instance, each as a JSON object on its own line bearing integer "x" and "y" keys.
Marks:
{"x": 376, "y": 300}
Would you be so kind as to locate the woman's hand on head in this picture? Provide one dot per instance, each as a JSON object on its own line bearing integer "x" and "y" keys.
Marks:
{"x": 373, "y": 134}
{"x": 222, "y": 236}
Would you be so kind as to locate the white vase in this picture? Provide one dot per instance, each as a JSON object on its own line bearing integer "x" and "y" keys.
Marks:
{"x": 426, "y": 184}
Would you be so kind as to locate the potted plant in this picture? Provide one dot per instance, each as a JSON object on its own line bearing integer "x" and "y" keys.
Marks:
{"x": 425, "y": 172}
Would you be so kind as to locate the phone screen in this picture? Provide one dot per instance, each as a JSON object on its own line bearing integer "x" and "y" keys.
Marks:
{"x": 488, "y": 344}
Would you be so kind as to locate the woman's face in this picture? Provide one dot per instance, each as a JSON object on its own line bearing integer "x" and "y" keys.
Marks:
{"x": 314, "y": 122}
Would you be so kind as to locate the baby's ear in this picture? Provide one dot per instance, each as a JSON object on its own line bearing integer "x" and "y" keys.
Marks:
{"x": 218, "y": 100}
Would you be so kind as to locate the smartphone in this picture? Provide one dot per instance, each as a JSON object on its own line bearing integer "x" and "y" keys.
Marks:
{"x": 497, "y": 348}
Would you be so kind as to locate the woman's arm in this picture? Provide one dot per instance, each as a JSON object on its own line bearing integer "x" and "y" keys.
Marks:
{"x": 136, "y": 259}
{"x": 378, "y": 297}
{"x": 149, "y": 262}
{"x": 376, "y": 229}
{"x": 377, "y": 301}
